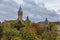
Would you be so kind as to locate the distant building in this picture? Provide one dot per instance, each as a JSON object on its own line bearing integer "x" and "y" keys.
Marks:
{"x": 44, "y": 22}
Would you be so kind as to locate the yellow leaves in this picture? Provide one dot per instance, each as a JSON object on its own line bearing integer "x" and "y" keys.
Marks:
{"x": 16, "y": 38}
{"x": 32, "y": 31}
{"x": 58, "y": 37}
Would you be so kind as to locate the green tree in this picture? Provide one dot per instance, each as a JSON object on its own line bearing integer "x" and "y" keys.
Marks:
{"x": 1, "y": 32}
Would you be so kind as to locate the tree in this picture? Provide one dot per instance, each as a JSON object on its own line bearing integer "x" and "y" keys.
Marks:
{"x": 11, "y": 34}
{"x": 19, "y": 25}
{"x": 1, "y": 32}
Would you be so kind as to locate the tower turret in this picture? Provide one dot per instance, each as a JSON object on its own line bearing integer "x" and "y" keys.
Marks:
{"x": 27, "y": 19}
{"x": 46, "y": 21}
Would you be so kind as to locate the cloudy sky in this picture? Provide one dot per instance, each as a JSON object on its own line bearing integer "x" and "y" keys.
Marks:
{"x": 37, "y": 10}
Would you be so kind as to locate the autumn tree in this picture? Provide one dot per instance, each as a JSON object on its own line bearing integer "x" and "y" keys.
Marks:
{"x": 1, "y": 32}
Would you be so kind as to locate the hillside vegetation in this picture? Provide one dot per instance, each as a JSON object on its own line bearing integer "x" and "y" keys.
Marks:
{"x": 28, "y": 31}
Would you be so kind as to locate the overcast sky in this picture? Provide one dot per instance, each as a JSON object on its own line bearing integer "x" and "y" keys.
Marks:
{"x": 50, "y": 4}
{"x": 37, "y": 10}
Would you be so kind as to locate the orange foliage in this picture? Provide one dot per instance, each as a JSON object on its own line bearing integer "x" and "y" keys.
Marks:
{"x": 37, "y": 27}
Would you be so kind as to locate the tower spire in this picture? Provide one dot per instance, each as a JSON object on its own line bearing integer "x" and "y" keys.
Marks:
{"x": 46, "y": 20}
{"x": 20, "y": 9}
{"x": 27, "y": 19}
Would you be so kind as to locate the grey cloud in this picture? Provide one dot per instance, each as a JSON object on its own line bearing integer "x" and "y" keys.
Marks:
{"x": 58, "y": 11}
{"x": 1, "y": 1}
{"x": 36, "y": 10}
{"x": 8, "y": 10}
{"x": 30, "y": 8}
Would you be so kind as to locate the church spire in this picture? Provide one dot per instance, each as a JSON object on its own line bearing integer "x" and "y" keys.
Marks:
{"x": 20, "y": 9}
{"x": 46, "y": 20}
{"x": 27, "y": 19}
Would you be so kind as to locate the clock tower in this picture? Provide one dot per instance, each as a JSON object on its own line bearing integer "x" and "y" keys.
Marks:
{"x": 20, "y": 14}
